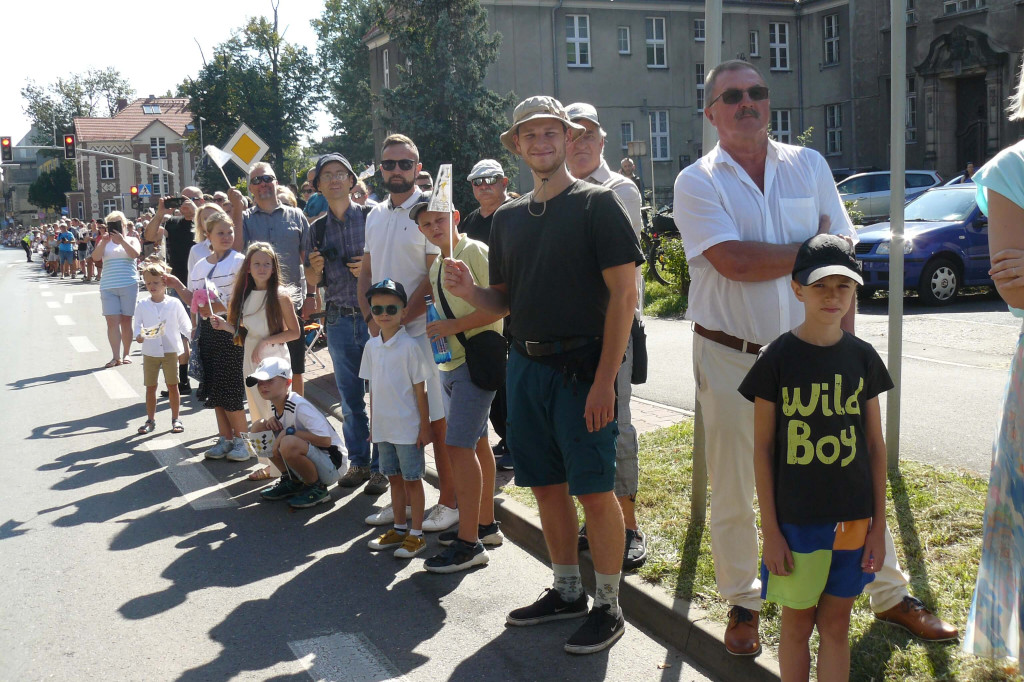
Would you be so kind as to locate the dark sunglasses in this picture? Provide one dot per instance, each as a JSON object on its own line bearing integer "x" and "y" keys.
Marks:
{"x": 735, "y": 95}
{"x": 307, "y": 191}
{"x": 261, "y": 179}
{"x": 381, "y": 309}
{"x": 404, "y": 164}
{"x": 493, "y": 180}
{"x": 426, "y": 187}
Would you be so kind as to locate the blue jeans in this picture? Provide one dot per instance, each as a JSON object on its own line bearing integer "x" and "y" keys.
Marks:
{"x": 345, "y": 341}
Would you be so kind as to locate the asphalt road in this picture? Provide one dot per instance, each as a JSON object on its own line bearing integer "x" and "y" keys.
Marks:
{"x": 955, "y": 366}
{"x": 128, "y": 557}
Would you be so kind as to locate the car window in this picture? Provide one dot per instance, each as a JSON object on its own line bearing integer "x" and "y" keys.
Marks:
{"x": 852, "y": 186}
{"x": 878, "y": 183}
{"x": 919, "y": 180}
{"x": 941, "y": 205}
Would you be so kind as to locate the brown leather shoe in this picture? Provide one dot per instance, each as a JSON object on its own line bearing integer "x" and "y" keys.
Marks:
{"x": 741, "y": 638}
{"x": 911, "y": 615}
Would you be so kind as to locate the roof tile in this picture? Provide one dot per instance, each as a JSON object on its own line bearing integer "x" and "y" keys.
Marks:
{"x": 130, "y": 121}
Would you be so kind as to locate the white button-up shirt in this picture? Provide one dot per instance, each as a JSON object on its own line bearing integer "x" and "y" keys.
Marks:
{"x": 716, "y": 201}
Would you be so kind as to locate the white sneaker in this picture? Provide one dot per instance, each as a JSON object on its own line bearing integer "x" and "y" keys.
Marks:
{"x": 238, "y": 452}
{"x": 386, "y": 516}
{"x": 440, "y": 518}
{"x": 220, "y": 449}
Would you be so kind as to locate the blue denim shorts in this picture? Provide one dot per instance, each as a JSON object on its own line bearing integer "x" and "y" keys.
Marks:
{"x": 119, "y": 300}
{"x": 467, "y": 407}
{"x": 397, "y": 458}
{"x": 67, "y": 256}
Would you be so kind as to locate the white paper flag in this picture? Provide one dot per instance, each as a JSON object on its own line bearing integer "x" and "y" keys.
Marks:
{"x": 441, "y": 198}
{"x": 217, "y": 155}
{"x": 368, "y": 172}
{"x": 153, "y": 332}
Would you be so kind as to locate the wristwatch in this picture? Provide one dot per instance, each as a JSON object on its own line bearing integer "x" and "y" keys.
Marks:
{"x": 310, "y": 295}
{"x": 290, "y": 431}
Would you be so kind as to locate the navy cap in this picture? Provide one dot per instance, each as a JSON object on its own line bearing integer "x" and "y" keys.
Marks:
{"x": 388, "y": 286}
{"x": 333, "y": 157}
{"x": 823, "y": 255}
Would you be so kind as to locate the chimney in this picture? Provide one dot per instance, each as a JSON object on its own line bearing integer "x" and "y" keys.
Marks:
{"x": 121, "y": 104}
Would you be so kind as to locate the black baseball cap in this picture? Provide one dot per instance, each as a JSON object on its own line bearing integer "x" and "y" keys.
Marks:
{"x": 823, "y": 255}
{"x": 333, "y": 157}
{"x": 388, "y": 286}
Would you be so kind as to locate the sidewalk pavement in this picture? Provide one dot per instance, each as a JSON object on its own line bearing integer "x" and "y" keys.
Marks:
{"x": 675, "y": 620}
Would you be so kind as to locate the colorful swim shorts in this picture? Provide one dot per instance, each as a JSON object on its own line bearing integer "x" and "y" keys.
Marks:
{"x": 826, "y": 560}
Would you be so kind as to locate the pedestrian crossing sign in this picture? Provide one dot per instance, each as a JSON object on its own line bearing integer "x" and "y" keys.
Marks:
{"x": 145, "y": 191}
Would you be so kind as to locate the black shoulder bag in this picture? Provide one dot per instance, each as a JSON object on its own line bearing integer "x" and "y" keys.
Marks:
{"x": 486, "y": 352}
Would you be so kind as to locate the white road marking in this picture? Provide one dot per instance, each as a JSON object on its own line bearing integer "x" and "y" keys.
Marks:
{"x": 348, "y": 656}
{"x": 942, "y": 362}
{"x": 115, "y": 385}
{"x": 68, "y": 297}
{"x": 200, "y": 489}
{"x": 1012, "y": 325}
{"x": 82, "y": 344}
{"x": 44, "y": 286}
{"x": 64, "y": 320}
{"x": 46, "y": 293}
{"x": 53, "y": 304}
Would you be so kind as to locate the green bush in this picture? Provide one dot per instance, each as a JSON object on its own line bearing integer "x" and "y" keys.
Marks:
{"x": 856, "y": 217}
{"x": 663, "y": 301}
{"x": 676, "y": 265}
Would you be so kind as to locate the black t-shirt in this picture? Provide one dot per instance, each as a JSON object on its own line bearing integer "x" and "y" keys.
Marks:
{"x": 180, "y": 240}
{"x": 552, "y": 264}
{"x": 822, "y": 466}
{"x": 477, "y": 227}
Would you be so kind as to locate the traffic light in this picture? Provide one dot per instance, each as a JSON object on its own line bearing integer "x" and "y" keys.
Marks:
{"x": 6, "y": 151}
{"x": 69, "y": 146}
{"x": 135, "y": 196}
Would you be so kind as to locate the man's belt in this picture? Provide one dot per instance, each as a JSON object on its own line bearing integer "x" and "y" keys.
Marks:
{"x": 542, "y": 348}
{"x": 727, "y": 340}
{"x": 343, "y": 310}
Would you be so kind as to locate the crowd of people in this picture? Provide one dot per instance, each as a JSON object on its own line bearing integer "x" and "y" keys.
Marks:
{"x": 525, "y": 313}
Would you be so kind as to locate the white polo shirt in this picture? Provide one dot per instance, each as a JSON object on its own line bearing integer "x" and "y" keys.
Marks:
{"x": 629, "y": 195}
{"x": 716, "y": 201}
{"x": 392, "y": 369}
{"x": 398, "y": 250}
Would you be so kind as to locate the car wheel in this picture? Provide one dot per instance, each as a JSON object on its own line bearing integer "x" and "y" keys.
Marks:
{"x": 940, "y": 282}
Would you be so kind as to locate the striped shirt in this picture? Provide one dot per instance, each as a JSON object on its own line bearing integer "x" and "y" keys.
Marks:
{"x": 119, "y": 270}
{"x": 223, "y": 275}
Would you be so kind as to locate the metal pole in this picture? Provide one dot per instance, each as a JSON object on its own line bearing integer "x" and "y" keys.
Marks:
{"x": 650, "y": 133}
{"x": 897, "y": 188}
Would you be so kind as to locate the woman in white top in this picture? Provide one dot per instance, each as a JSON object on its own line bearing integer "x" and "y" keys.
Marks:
{"x": 201, "y": 249}
{"x": 119, "y": 286}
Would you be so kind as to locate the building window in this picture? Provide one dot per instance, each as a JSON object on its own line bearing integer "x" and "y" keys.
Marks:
{"x": 911, "y": 113}
{"x": 778, "y": 46}
{"x": 831, "y": 30}
{"x": 109, "y": 206}
{"x": 81, "y": 210}
{"x": 151, "y": 108}
{"x": 157, "y": 148}
{"x": 626, "y": 132}
{"x": 577, "y": 39}
{"x": 106, "y": 169}
{"x": 833, "y": 129}
{"x": 387, "y": 70}
{"x": 655, "y": 42}
{"x": 698, "y": 30}
{"x": 624, "y": 46}
{"x": 659, "y": 135}
{"x": 755, "y": 44}
{"x": 160, "y": 189}
{"x": 911, "y": 12}
{"x": 780, "y": 125}
{"x": 699, "y": 75}
{"x": 957, "y": 6}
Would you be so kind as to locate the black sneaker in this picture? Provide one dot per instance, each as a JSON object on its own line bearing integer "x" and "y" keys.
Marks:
{"x": 582, "y": 542}
{"x": 490, "y": 535}
{"x": 636, "y": 550}
{"x": 458, "y": 557}
{"x": 599, "y": 631}
{"x": 503, "y": 461}
{"x": 549, "y": 607}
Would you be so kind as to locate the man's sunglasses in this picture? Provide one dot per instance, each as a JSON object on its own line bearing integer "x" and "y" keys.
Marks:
{"x": 735, "y": 95}
{"x": 486, "y": 181}
{"x": 261, "y": 179}
{"x": 404, "y": 164}
{"x": 381, "y": 309}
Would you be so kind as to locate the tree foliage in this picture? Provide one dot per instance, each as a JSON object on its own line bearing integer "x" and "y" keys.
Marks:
{"x": 48, "y": 189}
{"x": 93, "y": 94}
{"x": 440, "y": 100}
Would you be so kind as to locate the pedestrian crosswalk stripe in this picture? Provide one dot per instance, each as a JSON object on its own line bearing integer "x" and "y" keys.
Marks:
{"x": 64, "y": 320}
{"x": 198, "y": 486}
{"x": 82, "y": 344}
{"x": 114, "y": 385}
{"x": 347, "y": 656}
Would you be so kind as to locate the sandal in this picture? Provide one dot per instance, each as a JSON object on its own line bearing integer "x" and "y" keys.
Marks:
{"x": 261, "y": 475}
{"x": 177, "y": 426}
{"x": 112, "y": 363}
{"x": 126, "y": 360}
{"x": 147, "y": 427}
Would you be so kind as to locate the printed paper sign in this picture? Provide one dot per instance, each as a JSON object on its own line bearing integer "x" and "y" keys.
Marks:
{"x": 441, "y": 199}
{"x": 153, "y": 332}
{"x": 259, "y": 443}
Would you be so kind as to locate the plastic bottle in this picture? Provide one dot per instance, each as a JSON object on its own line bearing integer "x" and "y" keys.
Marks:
{"x": 440, "y": 347}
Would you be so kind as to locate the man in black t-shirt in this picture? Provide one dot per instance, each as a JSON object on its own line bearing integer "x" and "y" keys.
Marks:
{"x": 562, "y": 261}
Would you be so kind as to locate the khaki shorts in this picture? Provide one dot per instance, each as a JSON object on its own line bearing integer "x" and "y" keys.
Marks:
{"x": 151, "y": 367}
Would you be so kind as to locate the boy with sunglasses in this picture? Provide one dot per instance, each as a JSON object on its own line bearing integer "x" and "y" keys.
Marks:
{"x": 399, "y": 415}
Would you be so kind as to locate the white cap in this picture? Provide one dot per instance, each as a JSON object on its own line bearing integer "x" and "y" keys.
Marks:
{"x": 486, "y": 168}
{"x": 583, "y": 110}
{"x": 268, "y": 369}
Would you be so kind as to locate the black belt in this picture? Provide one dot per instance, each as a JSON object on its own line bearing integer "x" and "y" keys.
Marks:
{"x": 727, "y": 340}
{"x": 343, "y": 310}
{"x": 542, "y": 348}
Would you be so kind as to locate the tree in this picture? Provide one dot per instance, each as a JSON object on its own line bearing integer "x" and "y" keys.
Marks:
{"x": 256, "y": 78}
{"x": 94, "y": 93}
{"x": 440, "y": 101}
{"x": 48, "y": 189}
{"x": 345, "y": 69}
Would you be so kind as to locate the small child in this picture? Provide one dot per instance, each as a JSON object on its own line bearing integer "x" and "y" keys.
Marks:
{"x": 819, "y": 463}
{"x": 307, "y": 448}
{"x": 159, "y": 323}
{"x": 399, "y": 414}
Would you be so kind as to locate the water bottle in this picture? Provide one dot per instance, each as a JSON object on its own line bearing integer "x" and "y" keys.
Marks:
{"x": 441, "y": 352}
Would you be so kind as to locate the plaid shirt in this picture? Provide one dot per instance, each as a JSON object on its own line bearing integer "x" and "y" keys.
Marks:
{"x": 348, "y": 238}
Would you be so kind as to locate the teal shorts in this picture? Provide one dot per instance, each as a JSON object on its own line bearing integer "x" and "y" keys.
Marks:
{"x": 826, "y": 560}
{"x": 547, "y": 434}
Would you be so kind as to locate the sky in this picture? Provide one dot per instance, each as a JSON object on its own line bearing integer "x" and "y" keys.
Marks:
{"x": 158, "y": 46}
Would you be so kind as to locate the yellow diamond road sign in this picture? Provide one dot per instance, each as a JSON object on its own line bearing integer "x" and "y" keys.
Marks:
{"x": 245, "y": 147}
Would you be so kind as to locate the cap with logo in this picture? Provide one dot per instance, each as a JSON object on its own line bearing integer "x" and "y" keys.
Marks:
{"x": 388, "y": 286}
{"x": 823, "y": 255}
{"x": 268, "y": 369}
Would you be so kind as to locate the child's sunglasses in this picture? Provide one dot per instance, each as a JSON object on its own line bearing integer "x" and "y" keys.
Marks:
{"x": 381, "y": 309}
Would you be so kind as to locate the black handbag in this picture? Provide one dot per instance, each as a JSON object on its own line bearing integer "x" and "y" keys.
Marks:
{"x": 639, "y": 335}
{"x": 486, "y": 352}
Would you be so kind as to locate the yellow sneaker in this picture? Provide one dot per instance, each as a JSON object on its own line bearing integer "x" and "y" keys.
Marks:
{"x": 389, "y": 540}
{"x": 411, "y": 546}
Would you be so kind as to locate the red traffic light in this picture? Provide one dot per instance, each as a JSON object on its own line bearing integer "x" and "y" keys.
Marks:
{"x": 69, "y": 139}
{"x": 69, "y": 146}
{"x": 6, "y": 152}
{"x": 135, "y": 190}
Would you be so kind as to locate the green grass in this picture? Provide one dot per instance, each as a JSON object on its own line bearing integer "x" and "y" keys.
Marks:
{"x": 663, "y": 301}
{"x": 935, "y": 516}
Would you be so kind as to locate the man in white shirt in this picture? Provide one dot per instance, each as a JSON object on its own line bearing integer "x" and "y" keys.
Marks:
{"x": 396, "y": 249}
{"x": 743, "y": 210}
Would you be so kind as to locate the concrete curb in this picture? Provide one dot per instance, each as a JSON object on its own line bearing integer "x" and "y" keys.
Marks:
{"x": 676, "y": 621}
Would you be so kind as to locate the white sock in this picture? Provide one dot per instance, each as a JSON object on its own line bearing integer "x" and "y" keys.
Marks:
{"x": 567, "y": 581}
{"x": 607, "y": 591}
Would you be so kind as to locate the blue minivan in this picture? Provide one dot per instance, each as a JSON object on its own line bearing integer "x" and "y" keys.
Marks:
{"x": 946, "y": 246}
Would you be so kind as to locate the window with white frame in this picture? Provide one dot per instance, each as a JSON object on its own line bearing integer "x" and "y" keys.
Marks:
{"x": 957, "y": 6}
{"x": 911, "y": 12}
{"x": 659, "y": 135}
{"x": 655, "y": 37}
{"x": 626, "y": 132}
{"x": 780, "y": 125}
{"x": 160, "y": 189}
{"x": 109, "y": 206}
{"x": 698, "y": 30}
{"x": 699, "y": 76}
{"x": 81, "y": 210}
{"x": 833, "y": 129}
{"x": 157, "y": 148}
{"x": 624, "y": 44}
{"x": 386, "y": 58}
{"x": 577, "y": 39}
{"x": 106, "y": 169}
{"x": 831, "y": 32}
{"x": 911, "y": 113}
{"x": 151, "y": 108}
{"x": 778, "y": 46}
{"x": 755, "y": 45}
